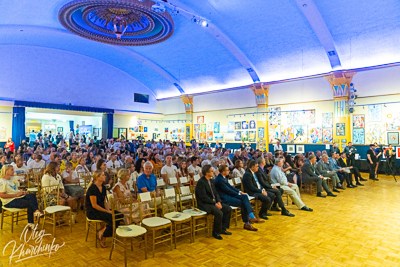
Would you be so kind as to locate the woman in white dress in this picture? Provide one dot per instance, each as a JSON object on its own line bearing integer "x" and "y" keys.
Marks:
{"x": 238, "y": 171}
{"x": 81, "y": 168}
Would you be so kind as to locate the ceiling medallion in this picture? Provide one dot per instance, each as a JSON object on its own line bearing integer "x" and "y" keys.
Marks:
{"x": 117, "y": 22}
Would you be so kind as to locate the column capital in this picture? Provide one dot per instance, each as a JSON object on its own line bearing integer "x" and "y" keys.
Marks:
{"x": 261, "y": 91}
{"x": 188, "y": 101}
{"x": 340, "y": 82}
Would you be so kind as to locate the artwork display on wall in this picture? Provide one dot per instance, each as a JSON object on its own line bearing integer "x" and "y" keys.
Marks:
{"x": 245, "y": 125}
{"x": 291, "y": 149}
{"x": 154, "y": 136}
{"x": 375, "y": 132}
{"x": 358, "y": 136}
{"x": 274, "y": 116}
{"x": 261, "y": 132}
{"x": 375, "y": 113}
{"x": 216, "y": 127}
{"x": 196, "y": 127}
{"x": 219, "y": 137}
{"x": 210, "y": 135}
{"x": 252, "y": 136}
{"x": 327, "y": 120}
{"x": 139, "y": 122}
{"x": 393, "y": 122}
{"x": 200, "y": 119}
{"x": 141, "y": 129}
{"x": 300, "y": 149}
{"x": 300, "y": 133}
{"x": 393, "y": 138}
{"x": 136, "y": 129}
{"x": 229, "y": 137}
{"x": 398, "y": 152}
{"x": 188, "y": 130}
{"x": 203, "y": 136}
{"x": 165, "y": 130}
{"x": 210, "y": 126}
{"x": 231, "y": 127}
{"x": 95, "y": 132}
{"x": 327, "y": 135}
{"x": 60, "y": 129}
{"x": 274, "y": 132}
{"x": 145, "y": 129}
{"x": 252, "y": 125}
{"x": 238, "y": 136}
{"x": 238, "y": 125}
{"x": 287, "y": 135}
{"x": 203, "y": 127}
{"x": 156, "y": 128}
{"x": 315, "y": 135}
{"x": 300, "y": 117}
{"x": 197, "y": 135}
{"x": 245, "y": 136}
{"x": 340, "y": 129}
{"x": 358, "y": 121}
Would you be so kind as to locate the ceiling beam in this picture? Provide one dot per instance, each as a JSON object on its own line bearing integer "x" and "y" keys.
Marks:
{"x": 319, "y": 27}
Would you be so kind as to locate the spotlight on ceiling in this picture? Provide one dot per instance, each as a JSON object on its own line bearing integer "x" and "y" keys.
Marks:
{"x": 204, "y": 23}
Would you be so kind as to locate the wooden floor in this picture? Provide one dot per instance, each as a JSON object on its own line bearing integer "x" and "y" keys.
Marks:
{"x": 360, "y": 227}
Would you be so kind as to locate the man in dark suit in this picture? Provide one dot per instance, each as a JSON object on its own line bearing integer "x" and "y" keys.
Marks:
{"x": 233, "y": 197}
{"x": 209, "y": 201}
{"x": 335, "y": 149}
{"x": 325, "y": 170}
{"x": 253, "y": 187}
{"x": 344, "y": 162}
{"x": 274, "y": 191}
{"x": 310, "y": 174}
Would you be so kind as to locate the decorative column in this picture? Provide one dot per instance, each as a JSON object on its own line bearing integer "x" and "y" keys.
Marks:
{"x": 340, "y": 83}
{"x": 188, "y": 101}
{"x": 261, "y": 91}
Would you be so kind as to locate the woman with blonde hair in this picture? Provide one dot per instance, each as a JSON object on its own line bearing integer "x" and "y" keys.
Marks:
{"x": 12, "y": 197}
{"x": 97, "y": 207}
{"x": 82, "y": 166}
{"x": 122, "y": 191}
{"x": 52, "y": 178}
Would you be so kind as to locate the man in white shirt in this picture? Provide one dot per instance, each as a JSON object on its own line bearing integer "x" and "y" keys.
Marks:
{"x": 194, "y": 170}
{"x": 38, "y": 163}
{"x": 20, "y": 169}
{"x": 168, "y": 170}
{"x": 113, "y": 163}
{"x": 182, "y": 145}
{"x": 117, "y": 145}
{"x": 278, "y": 147}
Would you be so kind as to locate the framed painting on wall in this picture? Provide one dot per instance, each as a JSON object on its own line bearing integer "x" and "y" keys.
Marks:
{"x": 340, "y": 129}
{"x": 60, "y": 129}
{"x": 200, "y": 119}
{"x": 238, "y": 125}
{"x": 358, "y": 136}
{"x": 95, "y": 131}
{"x": 300, "y": 149}
{"x": 231, "y": 127}
{"x": 398, "y": 152}
{"x": 252, "y": 125}
{"x": 358, "y": 121}
{"x": 291, "y": 149}
{"x": 393, "y": 138}
{"x": 261, "y": 132}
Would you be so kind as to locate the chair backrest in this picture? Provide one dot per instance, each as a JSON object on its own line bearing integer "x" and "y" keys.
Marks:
{"x": 185, "y": 190}
{"x": 168, "y": 195}
{"x": 50, "y": 195}
{"x": 147, "y": 198}
{"x": 237, "y": 180}
{"x": 173, "y": 181}
{"x": 85, "y": 178}
{"x": 160, "y": 183}
{"x": 196, "y": 177}
{"x": 117, "y": 205}
{"x": 230, "y": 182}
{"x": 183, "y": 180}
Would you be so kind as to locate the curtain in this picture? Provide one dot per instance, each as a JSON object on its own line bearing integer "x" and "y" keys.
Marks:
{"x": 110, "y": 124}
{"x": 71, "y": 126}
{"x": 61, "y": 107}
{"x": 18, "y": 125}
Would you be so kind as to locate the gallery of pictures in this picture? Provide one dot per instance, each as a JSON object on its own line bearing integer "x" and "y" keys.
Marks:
{"x": 199, "y": 133}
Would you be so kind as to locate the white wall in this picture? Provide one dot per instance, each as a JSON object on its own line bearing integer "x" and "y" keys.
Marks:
{"x": 5, "y": 122}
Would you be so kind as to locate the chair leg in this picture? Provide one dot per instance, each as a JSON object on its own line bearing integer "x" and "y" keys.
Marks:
{"x": 70, "y": 219}
{"x": 194, "y": 229}
{"x": 112, "y": 246}
{"x": 17, "y": 218}
{"x": 2, "y": 218}
{"x": 191, "y": 231}
{"x": 87, "y": 230}
{"x": 170, "y": 236}
{"x": 12, "y": 222}
{"x": 95, "y": 235}
{"x": 236, "y": 216}
{"x": 174, "y": 234}
{"x": 154, "y": 241}
{"x": 54, "y": 224}
{"x": 125, "y": 254}
{"x": 131, "y": 244}
{"x": 145, "y": 246}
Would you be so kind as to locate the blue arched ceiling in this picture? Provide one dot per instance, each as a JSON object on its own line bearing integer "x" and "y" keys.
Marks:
{"x": 275, "y": 36}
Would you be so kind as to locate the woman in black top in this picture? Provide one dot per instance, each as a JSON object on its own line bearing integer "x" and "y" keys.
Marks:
{"x": 97, "y": 208}
{"x": 102, "y": 165}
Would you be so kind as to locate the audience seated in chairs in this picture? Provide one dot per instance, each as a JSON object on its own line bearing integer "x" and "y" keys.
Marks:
{"x": 209, "y": 201}
{"x": 72, "y": 184}
{"x": 341, "y": 172}
{"x": 97, "y": 207}
{"x": 236, "y": 198}
{"x": 12, "y": 197}
{"x": 311, "y": 174}
{"x": 325, "y": 170}
{"x": 253, "y": 187}
{"x": 273, "y": 192}
{"x": 278, "y": 177}
{"x": 50, "y": 178}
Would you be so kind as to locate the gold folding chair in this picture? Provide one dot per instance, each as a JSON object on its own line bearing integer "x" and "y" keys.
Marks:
{"x": 155, "y": 223}
{"x": 95, "y": 223}
{"x": 186, "y": 197}
{"x": 51, "y": 196}
{"x": 15, "y": 216}
{"x": 180, "y": 220}
{"x": 122, "y": 233}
